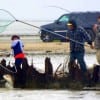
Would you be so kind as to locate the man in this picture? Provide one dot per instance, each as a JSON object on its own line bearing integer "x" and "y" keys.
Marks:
{"x": 77, "y": 37}
{"x": 96, "y": 29}
{"x": 17, "y": 47}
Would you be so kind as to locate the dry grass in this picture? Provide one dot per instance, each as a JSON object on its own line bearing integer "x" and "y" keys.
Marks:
{"x": 40, "y": 46}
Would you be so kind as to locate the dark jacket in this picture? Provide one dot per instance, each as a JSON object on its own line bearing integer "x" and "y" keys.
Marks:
{"x": 80, "y": 36}
{"x": 97, "y": 38}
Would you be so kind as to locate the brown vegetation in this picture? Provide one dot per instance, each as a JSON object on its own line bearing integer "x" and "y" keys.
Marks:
{"x": 54, "y": 47}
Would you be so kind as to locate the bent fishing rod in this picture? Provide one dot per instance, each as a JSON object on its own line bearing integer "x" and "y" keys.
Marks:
{"x": 68, "y": 11}
{"x": 13, "y": 19}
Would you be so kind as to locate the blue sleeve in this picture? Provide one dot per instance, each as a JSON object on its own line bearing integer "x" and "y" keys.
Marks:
{"x": 14, "y": 43}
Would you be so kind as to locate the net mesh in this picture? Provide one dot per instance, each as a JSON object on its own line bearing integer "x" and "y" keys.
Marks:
{"x": 5, "y": 19}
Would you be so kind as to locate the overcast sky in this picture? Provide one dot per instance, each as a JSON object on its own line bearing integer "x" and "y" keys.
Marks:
{"x": 39, "y": 9}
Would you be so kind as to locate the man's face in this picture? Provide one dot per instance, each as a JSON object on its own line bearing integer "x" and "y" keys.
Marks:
{"x": 70, "y": 27}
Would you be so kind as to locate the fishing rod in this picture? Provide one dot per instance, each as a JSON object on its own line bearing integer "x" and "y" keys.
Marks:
{"x": 68, "y": 11}
{"x": 66, "y": 60}
{"x": 59, "y": 8}
{"x": 51, "y": 32}
{"x": 13, "y": 19}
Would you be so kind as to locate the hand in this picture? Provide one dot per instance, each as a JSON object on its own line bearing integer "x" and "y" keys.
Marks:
{"x": 67, "y": 38}
{"x": 91, "y": 46}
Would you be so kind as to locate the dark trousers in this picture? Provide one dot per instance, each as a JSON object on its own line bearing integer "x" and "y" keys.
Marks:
{"x": 80, "y": 57}
{"x": 18, "y": 63}
{"x": 18, "y": 75}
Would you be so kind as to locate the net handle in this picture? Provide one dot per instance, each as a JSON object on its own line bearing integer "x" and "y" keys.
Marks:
{"x": 41, "y": 28}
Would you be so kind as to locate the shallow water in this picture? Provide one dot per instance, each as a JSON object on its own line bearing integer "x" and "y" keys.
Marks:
{"x": 38, "y": 60}
{"x": 48, "y": 95}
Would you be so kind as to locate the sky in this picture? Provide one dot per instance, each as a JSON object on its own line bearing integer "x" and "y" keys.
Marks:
{"x": 42, "y": 10}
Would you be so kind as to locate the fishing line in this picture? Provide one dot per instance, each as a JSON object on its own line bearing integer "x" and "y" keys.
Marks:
{"x": 76, "y": 19}
{"x": 66, "y": 60}
{"x": 8, "y": 19}
{"x": 59, "y": 8}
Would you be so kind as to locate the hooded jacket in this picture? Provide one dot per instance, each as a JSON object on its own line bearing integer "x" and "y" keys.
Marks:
{"x": 80, "y": 36}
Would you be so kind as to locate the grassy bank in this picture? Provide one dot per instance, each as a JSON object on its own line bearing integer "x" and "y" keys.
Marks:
{"x": 40, "y": 47}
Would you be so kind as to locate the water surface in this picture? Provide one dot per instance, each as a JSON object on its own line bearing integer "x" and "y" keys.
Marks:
{"x": 38, "y": 60}
{"x": 48, "y": 95}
